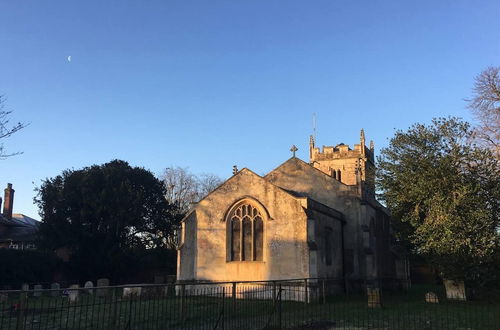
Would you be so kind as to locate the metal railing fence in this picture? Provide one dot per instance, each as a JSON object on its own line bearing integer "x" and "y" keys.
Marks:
{"x": 291, "y": 304}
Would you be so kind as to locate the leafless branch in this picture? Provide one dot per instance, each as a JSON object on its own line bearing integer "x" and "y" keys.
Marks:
{"x": 6, "y": 129}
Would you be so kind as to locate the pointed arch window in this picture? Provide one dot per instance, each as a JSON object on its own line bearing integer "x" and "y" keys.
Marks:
{"x": 246, "y": 232}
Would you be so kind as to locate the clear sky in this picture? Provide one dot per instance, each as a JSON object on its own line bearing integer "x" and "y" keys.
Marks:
{"x": 209, "y": 84}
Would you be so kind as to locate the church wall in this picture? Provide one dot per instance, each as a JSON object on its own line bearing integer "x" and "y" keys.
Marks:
{"x": 286, "y": 253}
{"x": 322, "y": 223}
{"x": 303, "y": 178}
{"x": 347, "y": 168}
{"x": 376, "y": 241}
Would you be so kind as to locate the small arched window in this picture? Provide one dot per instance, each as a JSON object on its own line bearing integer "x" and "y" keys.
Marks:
{"x": 339, "y": 175}
{"x": 334, "y": 174}
{"x": 247, "y": 233}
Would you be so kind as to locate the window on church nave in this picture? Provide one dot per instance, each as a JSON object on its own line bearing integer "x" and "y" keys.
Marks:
{"x": 246, "y": 230}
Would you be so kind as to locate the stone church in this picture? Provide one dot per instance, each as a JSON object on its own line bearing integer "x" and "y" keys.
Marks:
{"x": 301, "y": 220}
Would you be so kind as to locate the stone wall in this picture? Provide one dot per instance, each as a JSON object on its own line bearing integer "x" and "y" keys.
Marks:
{"x": 205, "y": 246}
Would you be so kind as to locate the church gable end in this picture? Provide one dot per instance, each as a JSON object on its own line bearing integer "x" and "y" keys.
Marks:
{"x": 249, "y": 229}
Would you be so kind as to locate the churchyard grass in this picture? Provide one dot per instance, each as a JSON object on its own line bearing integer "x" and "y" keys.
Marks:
{"x": 214, "y": 307}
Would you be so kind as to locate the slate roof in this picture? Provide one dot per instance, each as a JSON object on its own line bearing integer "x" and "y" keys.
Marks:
{"x": 20, "y": 228}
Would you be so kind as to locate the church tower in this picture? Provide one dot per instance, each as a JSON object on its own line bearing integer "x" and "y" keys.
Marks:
{"x": 354, "y": 166}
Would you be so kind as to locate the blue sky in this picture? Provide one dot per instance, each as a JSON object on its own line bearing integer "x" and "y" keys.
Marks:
{"x": 209, "y": 84}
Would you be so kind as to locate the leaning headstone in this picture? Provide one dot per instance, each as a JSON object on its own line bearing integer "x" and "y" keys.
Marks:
{"x": 55, "y": 289}
{"x": 132, "y": 292}
{"x": 89, "y": 286}
{"x": 455, "y": 290}
{"x": 102, "y": 282}
{"x": 373, "y": 297}
{"x": 72, "y": 293}
{"x": 431, "y": 297}
{"x": 37, "y": 290}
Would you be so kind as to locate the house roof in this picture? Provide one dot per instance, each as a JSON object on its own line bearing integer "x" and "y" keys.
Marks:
{"x": 19, "y": 228}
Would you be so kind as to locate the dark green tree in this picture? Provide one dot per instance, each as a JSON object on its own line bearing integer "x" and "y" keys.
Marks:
{"x": 444, "y": 192}
{"x": 103, "y": 215}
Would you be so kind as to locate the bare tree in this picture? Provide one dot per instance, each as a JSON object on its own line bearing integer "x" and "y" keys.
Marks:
{"x": 207, "y": 183}
{"x": 6, "y": 129}
{"x": 183, "y": 189}
{"x": 485, "y": 105}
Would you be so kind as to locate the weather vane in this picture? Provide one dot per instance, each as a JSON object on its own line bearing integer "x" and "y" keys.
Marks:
{"x": 293, "y": 150}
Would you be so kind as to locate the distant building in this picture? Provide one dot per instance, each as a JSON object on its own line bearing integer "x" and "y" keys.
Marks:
{"x": 17, "y": 231}
{"x": 301, "y": 220}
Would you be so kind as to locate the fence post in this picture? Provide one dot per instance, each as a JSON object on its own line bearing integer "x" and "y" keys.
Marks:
{"x": 23, "y": 297}
{"x": 114, "y": 297}
{"x": 222, "y": 312}
{"x": 323, "y": 290}
{"x": 182, "y": 302}
{"x": 274, "y": 292}
{"x": 306, "y": 292}
{"x": 233, "y": 293}
{"x": 279, "y": 305}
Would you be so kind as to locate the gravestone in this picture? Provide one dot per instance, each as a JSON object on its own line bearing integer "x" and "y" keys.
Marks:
{"x": 373, "y": 297}
{"x": 25, "y": 287}
{"x": 37, "y": 290}
{"x": 3, "y": 297}
{"x": 55, "y": 287}
{"x": 455, "y": 290}
{"x": 73, "y": 294}
{"x": 102, "y": 282}
{"x": 89, "y": 286}
{"x": 431, "y": 297}
{"x": 132, "y": 292}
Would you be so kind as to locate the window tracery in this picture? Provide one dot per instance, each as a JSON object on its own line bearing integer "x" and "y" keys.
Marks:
{"x": 247, "y": 233}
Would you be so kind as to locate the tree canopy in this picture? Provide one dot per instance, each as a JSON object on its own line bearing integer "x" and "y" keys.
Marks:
{"x": 102, "y": 212}
{"x": 444, "y": 192}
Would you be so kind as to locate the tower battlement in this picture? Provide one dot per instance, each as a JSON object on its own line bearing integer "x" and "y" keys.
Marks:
{"x": 340, "y": 151}
{"x": 354, "y": 166}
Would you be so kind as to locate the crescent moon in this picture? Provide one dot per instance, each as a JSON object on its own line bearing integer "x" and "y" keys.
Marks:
{"x": 69, "y": 58}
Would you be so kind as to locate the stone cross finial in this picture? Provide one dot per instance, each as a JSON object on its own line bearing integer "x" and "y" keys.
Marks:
{"x": 293, "y": 150}
{"x": 235, "y": 169}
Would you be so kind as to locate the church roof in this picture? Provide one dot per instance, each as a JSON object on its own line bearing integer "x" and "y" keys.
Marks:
{"x": 310, "y": 203}
{"x": 300, "y": 163}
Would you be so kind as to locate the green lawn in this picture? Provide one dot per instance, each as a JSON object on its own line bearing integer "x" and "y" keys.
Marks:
{"x": 399, "y": 311}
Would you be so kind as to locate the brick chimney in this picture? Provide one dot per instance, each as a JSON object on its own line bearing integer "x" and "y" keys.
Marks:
{"x": 8, "y": 201}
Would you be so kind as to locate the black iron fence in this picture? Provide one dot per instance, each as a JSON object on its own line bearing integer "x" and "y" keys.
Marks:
{"x": 291, "y": 304}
